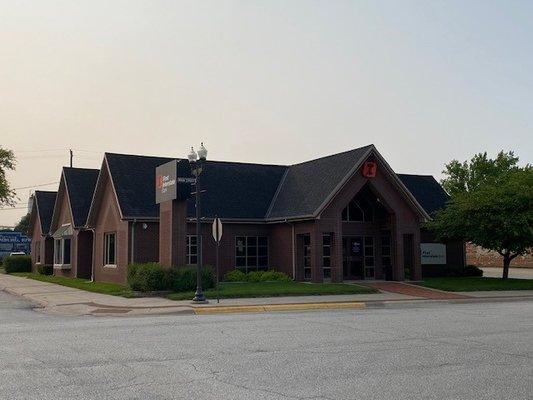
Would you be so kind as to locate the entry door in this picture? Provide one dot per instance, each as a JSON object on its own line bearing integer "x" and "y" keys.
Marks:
{"x": 352, "y": 248}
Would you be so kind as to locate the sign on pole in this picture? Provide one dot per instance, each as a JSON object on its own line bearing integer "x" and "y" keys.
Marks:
{"x": 217, "y": 230}
{"x": 217, "y": 235}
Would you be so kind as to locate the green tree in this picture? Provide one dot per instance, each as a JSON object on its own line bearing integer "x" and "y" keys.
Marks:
{"x": 467, "y": 176}
{"x": 7, "y": 162}
{"x": 496, "y": 214}
{"x": 23, "y": 225}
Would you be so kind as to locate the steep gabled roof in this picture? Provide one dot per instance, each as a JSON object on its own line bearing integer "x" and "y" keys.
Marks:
{"x": 237, "y": 190}
{"x": 133, "y": 178}
{"x": 427, "y": 191}
{"x": 80, "y": 184}
{"x": 307, "y": 185}
{"x": 44, "y": 205}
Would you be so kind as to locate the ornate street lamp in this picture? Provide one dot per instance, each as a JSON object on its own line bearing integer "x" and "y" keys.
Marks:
{"x": 197, "y": 161}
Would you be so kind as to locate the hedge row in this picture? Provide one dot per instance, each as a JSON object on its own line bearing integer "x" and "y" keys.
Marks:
{"x": 152, "y": 277}
{"x": 17, "y": 264}
{"x": 256, "y": 276}
{"x": 432, "y": 271}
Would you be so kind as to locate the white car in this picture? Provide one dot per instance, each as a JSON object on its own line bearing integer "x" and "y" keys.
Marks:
{"x": 17, "y": 253}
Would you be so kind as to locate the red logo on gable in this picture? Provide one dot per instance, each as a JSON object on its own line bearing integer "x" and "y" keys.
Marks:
{"x": 159, "y": 182}
{"x": 369, "y": 169}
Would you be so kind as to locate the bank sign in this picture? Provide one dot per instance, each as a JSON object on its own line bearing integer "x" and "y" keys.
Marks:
{"x": 433, "y": 253}
{"x": 11, "y": 242}
{"x": 173, "y": 180}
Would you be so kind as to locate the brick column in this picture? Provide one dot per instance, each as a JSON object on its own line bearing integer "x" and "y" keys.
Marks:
{"x": 317, "y": 275}
{"x": 172, "y": 233}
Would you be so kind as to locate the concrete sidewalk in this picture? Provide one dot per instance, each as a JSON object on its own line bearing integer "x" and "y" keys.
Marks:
{"x": 61, "y": 300}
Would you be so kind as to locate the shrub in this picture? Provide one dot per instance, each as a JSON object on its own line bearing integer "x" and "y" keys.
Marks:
{"x": 151, "y": 277}
{"x": 235, "y": 276}
{"x": 45, "y": 269}
{"x": 472, "y": 270}
{"x": 254, "y": 276}
{"x": 17, "y": 264}
{"x": 147, "y": 277}
{"x": 183, "y": 279}
{"x": 272, "y": 275}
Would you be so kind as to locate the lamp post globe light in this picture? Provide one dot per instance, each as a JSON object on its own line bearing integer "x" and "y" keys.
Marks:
{"x": 196, "y": 161}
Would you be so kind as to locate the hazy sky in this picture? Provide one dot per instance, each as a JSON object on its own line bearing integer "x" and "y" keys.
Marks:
{"x": 262, "y": 81}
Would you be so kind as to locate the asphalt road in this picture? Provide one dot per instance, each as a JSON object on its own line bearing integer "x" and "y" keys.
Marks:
{"x": 445, "y": 351}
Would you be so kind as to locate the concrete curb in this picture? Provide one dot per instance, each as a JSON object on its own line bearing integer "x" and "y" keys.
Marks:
{"x": 278, "y": 307}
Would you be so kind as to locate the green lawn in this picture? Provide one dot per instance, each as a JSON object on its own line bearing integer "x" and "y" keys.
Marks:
{"x": 472, "y": 284}
{"x": 230, "y": 290}
{"x": 98, "y": 287}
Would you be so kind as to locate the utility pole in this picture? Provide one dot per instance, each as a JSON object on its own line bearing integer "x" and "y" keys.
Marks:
{"x": 71, "y": 155}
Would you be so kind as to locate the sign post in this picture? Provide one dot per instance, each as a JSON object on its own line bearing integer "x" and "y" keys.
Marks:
{"x": 217, "y": 235}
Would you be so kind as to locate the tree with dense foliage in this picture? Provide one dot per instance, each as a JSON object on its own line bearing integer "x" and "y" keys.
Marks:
{"x": 467, "y": 176}
{"x": 7, "y": 162}
{"x": 23, "y": 225}
{"x": 491, "y": 205}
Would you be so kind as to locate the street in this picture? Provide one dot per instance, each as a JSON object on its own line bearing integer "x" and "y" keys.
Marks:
{"x": 434, "y": 351}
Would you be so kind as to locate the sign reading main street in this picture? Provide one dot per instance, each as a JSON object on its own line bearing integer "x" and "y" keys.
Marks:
{"x": 173, "y": 181}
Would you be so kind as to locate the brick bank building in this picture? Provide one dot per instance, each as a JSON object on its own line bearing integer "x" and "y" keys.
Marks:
{"x": 347, "y": 216}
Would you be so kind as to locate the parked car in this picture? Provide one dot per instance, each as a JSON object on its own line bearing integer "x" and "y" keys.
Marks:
{"x": 17, "y": 253}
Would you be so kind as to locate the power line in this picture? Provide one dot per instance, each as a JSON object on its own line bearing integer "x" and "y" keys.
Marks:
{"x": 32, "y": 186}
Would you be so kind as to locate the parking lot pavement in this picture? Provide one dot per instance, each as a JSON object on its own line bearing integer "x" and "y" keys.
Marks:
{"x": 435, "y": 351}
{"x": 518, "y": 273}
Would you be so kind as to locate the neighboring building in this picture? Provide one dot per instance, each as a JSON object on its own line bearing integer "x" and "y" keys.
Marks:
{"x": 476, "y": 255}
{"x": 12, "y": 241}
{"x": 42, "y": 243}
{"x": 73, "y": 243}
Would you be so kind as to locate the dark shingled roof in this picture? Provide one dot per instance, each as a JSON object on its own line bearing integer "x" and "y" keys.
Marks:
{"x": 134, "y": 181}
{"x": 234, "y": 190}
{"x": 237, "y": 190}
{"x": 44, "y": 201}
{"x": 426, "y": 190}
{"x": 307, "y": 185}
{"x": 247, "y": 191}
{"x": 80, "y": 185}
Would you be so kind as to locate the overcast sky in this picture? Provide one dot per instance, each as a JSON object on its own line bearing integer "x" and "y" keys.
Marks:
{"x": 262, "y": 81}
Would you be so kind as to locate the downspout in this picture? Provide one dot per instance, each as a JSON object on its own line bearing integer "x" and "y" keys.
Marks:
{"x": 132, "y": 256}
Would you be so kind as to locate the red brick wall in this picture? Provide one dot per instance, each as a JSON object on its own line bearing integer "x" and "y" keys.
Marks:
{"x": 481, "y": 257}
{"x": 107, "y": 221}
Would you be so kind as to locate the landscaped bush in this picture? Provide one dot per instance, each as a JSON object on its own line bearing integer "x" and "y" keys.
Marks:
{"x": 452, "y": 271}
{"x": 45, "y": 269}
{"x": 183, "y": 279}
{"x": 472, "y": 270}
{"x": 272, "y": 275}
{"x": 254, "y": 276}
{"x": 147, "y": 277}
{"x": 155, "y": 277}
{"x": 17, "y": 264}
{"x": 235, "y": 275}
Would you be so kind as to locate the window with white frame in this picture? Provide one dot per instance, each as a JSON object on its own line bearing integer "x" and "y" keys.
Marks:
{"x": 192, "y": 250}
{"x": 251, "y": 253}
{"x": 62, "y": 249}
{"x": 110, "y": 248}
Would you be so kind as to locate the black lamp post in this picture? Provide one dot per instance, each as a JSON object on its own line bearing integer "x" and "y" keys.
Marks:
{"x": 197, "y": 161}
